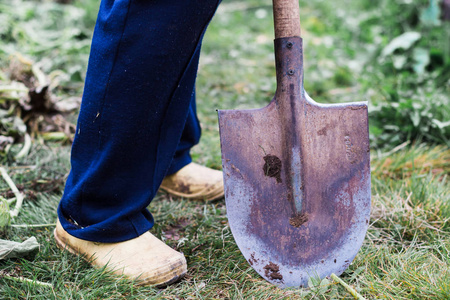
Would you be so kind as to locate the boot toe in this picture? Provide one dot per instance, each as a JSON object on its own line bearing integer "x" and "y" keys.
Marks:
{"x": 145, "y": 259}
{"x": 195, "y": 182}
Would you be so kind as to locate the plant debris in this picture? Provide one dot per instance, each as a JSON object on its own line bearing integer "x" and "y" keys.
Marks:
{"x": 28, "y": 105}
{"x": 27, "y": 249}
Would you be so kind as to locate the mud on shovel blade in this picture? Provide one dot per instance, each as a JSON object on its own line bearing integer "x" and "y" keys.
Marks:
{"x": 297, "y": 178}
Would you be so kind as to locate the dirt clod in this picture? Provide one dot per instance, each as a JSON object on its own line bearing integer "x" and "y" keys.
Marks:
{"x": 299, "y": 220}
{"x": 273, "y": 271}
{"x": 272, "y": 167}
{"x": 252, "y": 259}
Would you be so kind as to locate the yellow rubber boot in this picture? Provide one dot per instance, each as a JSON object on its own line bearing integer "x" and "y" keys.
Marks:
{"x": 195, "y": 182}
{"x": 145, "y": 259}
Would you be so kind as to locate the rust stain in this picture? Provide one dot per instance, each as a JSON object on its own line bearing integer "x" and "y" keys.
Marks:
{"x": 349, "y": 151}
{"x": 357, "y": 107}
{"x": 235, "y": 168}
{"x": 324, "y": 130}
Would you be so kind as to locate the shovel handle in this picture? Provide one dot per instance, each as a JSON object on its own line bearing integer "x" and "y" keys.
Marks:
{"x": 286, "y": 15}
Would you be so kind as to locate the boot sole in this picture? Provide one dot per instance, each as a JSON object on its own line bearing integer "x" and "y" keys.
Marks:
{"x": 213, "y": 195}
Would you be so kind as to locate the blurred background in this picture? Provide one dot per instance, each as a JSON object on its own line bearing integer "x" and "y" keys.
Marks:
{"x": 394, "y": 54}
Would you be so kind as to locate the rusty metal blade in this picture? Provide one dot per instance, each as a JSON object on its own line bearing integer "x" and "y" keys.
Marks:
{"x": 297, "y": 178}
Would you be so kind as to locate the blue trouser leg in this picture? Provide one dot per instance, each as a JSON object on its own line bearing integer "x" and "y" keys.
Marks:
{"x": 189, "y": 138}
{"x": 137, "y": 119}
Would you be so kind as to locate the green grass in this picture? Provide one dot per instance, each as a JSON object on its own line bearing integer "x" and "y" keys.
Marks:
{"x": 406, "y": 254}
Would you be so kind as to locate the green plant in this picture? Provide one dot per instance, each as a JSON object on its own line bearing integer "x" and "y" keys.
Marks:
{"x": 415, "y": 76}
{"x": 414, "y": 116}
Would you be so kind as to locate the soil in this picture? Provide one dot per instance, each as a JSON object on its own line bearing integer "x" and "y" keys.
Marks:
{"x": 273, "y": 271}
{"x": 183, "y": 187}
{"x": 35, "y": 187}
{"x": 299, "y": 220}
{"x": 252, "y": 259}
{"x": 175, "y": 231}
{"x": 272, "y": 167}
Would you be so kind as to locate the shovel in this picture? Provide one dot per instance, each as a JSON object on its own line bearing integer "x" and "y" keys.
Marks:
{"x": 296, "y": 173}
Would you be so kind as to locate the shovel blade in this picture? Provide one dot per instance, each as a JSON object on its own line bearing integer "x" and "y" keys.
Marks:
{"x": 298, "y": 207}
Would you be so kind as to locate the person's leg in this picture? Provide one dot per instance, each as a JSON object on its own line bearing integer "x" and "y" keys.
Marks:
{"x": 189, "y": 138}
{"x": 137, "y": 98}
{"x": 137, "y": 104}
{"x": 185, "y": 178}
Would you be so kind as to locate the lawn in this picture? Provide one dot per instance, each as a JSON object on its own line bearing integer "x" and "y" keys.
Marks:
{"x": 393, "y": 53}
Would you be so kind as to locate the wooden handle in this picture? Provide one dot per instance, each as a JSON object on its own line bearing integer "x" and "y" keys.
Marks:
{"x": 286, "y": 15}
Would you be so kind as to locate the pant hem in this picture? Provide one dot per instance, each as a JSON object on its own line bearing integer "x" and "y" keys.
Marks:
{"x": 123, "y": 230}
{"x": 179, "y": 163}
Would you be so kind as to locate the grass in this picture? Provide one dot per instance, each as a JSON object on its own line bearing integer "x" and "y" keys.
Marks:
{"x": 406, "y": 253}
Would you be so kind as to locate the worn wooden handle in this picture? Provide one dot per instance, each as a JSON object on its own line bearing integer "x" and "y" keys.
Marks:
{"x": 286, "y": 15}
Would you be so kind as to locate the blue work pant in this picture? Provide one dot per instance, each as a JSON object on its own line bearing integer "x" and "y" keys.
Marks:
{"x": 138, "y": 119}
